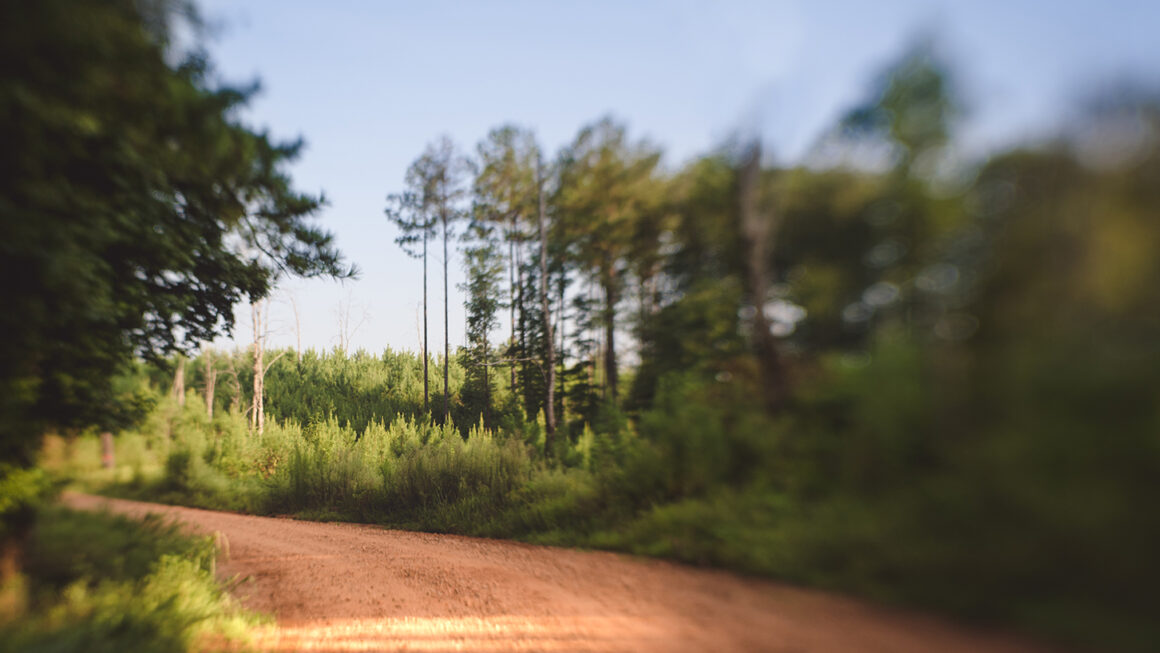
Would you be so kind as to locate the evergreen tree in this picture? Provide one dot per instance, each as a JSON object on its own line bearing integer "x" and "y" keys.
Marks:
{"x": 416, "y": 224}
{"x": 438, "y": 176}
{"x": 549, "y": 359}
{"x": 505, "y": 194}
{"x": 606, "y": 185}
{"x": 484, "y": 266}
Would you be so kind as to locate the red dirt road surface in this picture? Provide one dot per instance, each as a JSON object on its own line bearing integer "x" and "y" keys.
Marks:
{"x": 349, "y": 587}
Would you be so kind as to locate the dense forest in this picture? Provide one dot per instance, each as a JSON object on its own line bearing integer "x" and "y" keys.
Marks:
{"x": 887, "y": 370}
{"x": 927, "y": 383}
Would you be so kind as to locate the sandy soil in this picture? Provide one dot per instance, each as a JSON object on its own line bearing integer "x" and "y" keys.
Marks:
{"x": 348, "y": 587}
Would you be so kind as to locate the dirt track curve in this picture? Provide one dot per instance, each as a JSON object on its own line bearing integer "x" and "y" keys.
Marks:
{"x": 348, "y": 587}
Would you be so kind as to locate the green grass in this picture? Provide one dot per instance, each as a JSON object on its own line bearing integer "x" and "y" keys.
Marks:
{"x": 97, "y": 582}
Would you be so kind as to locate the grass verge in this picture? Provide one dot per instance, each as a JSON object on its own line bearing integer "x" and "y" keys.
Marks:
{"x": 98, "y": 582}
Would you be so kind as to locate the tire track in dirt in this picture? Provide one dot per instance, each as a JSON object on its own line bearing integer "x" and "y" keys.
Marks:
{"x": 349, "y": 587}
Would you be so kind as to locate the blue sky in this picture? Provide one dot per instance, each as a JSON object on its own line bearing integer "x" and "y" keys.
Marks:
{"x": 368, "y": 84}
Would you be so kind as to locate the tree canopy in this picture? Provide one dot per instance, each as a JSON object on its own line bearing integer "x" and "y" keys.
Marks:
{"x": 137, "y": 209}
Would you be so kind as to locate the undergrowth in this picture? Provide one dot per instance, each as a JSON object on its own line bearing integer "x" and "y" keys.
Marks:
{"x": 876, "y": 507}
{"x": 97, "y": 582}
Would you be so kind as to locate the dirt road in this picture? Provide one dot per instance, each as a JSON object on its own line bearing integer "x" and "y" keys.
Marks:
{"x": 347, "y": 587}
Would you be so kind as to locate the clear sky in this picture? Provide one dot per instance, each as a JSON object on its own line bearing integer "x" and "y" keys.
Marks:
{"x": 369, "y": 83}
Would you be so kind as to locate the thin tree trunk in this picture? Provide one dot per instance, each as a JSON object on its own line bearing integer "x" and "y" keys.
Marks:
{"x": 108, "y": 455}
{"x": 521, "y": 351}
{"x": 758, "y": 227}
{"x": 236, "y": 398}
{"x": 446, "y": 325}
{"x": 512, "y": 293}
{"x": 210, "y": 381}
{"x": 597, "y": 351}
{"x": 257, "y": 421}
{"x": 610, "y": 372}
{"x": 646, "y": 289}
{"x": 179, "y": 381}
{"x": 265, "y": 366}
{"x": 563, "y": 389}
{"x": 486, "y": 387}
{"x": 550, "y": 403}
{"x": 426, "y": 349}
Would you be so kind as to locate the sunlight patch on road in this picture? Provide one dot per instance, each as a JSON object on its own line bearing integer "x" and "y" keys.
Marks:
{"x": 507, "y": 633}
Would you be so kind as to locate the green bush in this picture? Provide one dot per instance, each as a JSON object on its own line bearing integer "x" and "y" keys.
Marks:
{"x": 113, "y": 547}
{"x": 98, "y": 582}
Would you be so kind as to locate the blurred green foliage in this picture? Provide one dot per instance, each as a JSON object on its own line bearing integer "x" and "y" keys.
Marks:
{"x": 98, "y": 582}
{"x": 972, "y": 348}
{"x": 133, "y": 201}
{"x": 972, "y": 426}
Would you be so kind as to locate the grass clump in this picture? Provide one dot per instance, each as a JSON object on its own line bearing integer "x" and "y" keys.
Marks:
{"x": 97, "y": 582}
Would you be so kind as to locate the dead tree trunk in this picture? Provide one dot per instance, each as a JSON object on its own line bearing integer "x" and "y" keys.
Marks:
{"x": 426, "y": 347}
{"x": 179, "y": 381}
{"x": 563, "y": 386}
{"x": 108, "y": 458}
{"x": 758, "y": 228}
{"x": 297, "y": 331}
{"x": 446, "y": 325}
{"x": 210, "y": 381}
{"x": 611, "y": 299}
{"x": 257, "y": 409}
{"x": 512, "y": 295}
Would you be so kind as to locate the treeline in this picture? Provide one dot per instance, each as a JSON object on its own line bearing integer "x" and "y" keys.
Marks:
{"x": 725, "y": 266}
{"x": 889, "y": 371}
{"x": 352, "y": 388}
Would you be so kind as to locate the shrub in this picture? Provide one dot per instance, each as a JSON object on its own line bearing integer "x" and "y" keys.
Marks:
{"x": 97, "y": 582}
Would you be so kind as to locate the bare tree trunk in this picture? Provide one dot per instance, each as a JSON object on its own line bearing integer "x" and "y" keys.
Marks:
{"x": 512, "y": 293}
{"x": 486, "y": 386}
{"x": 758, "y": 228}
{"x": 647, "y": 290}
{"x": 446, "y": 325}
{"x": 347, "y": 327}
{"x": 257, "y": 418}
{"x": 597, "y": 351}
{"x": 519, "y": 305}
{"x": 550, "y": 403}
{"x": 563, "y": 390}
{"x": 297, "y": 331}
{"x": 522, "y": 320}
{"x": 179, "y": 381}
{"x": 108, "y": 456}
{"x": 426, "y": 348}
{"x": 262, "y": 399}
{"x": 210, "y": 380}
{"x": 610, "y": 373}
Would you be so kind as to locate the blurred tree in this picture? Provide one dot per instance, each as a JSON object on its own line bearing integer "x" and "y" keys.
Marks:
{"x": 136, "y": 209}
{"x": 854, "y": 241}
{"x": 695, "y": 327}
{"x": 606, "y": 184}
{"x": 911, "y": 105}
{"x": 759, "y": 224}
